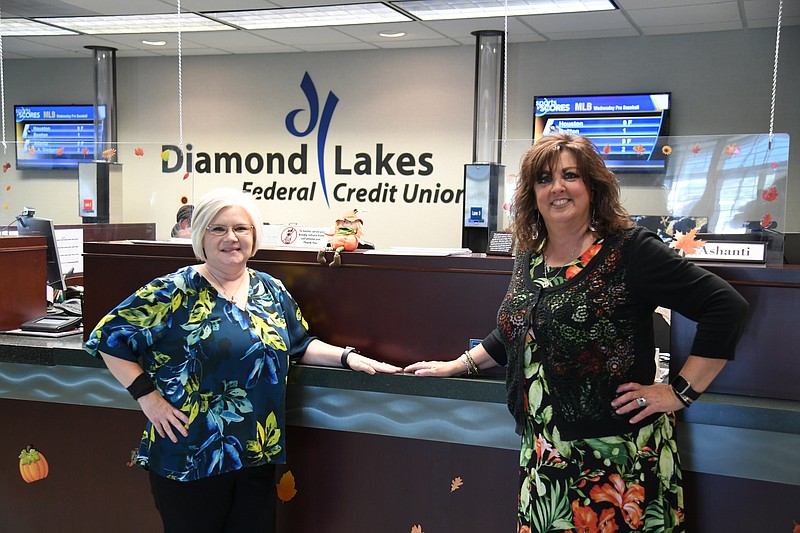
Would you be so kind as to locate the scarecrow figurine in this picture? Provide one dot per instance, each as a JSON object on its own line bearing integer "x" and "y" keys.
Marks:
{"x": 346, "y": 236}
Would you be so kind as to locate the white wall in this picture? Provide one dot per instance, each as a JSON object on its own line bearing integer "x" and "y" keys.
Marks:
{"x": 415, "y": 101}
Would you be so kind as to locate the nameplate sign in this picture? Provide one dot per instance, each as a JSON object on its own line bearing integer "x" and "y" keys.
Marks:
{"x": 731, "y": 251}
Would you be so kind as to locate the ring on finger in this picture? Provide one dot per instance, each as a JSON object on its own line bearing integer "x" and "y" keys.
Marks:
{"x": 641, "y": 402}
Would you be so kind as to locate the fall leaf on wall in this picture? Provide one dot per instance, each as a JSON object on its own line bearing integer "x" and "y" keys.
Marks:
{"x": 688, "y": 242}
{"x": 286, "y": 487}
{"x": 607, "y": 149}
{"x": 109, "y": 153}
{"x": 138, "y": 152}
{"x": 60, "y": 151}
{"x": 416, "y": 529}
{"x": 5, "y": 168}
{"x": 639, "y": 149}
{"x": 766, "y": 221}
{"x": 696, "y": 148}
{"x": 456, "y": 484}
{"x": 165, "y": 155}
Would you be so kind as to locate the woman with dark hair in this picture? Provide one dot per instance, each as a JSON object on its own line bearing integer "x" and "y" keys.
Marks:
{"x": 205, "y": 351}
{"x": 575, "y": 332}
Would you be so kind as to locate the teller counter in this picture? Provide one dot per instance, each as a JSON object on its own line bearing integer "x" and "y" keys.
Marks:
{"x": 377, "y": 453}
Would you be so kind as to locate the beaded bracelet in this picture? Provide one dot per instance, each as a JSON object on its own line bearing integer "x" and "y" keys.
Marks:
{"x": 464, "y": 360}
{"x": 472, "y": 363}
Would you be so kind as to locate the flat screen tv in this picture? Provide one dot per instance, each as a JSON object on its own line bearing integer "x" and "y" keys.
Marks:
{"x": 625, "y": 127}
{"x": 43, "y": 227}
{"x": 55, "y": 136}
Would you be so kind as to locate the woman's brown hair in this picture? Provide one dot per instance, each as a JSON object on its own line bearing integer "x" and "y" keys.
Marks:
{"x": 608, "y": 216}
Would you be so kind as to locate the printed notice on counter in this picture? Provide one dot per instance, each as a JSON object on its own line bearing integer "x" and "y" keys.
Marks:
{"x": 500, "y": 243}
{"x": 291, "y": 236}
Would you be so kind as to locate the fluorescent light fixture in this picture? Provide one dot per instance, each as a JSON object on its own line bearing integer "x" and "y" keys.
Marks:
{"x": 154, "y": 43}
{"x": 166, "y": 23}
{"x": 392, "y": 34}
{"x": 461, "y": 9}
{"x": 304, "y": 17}
{"x": 29, "y": 28}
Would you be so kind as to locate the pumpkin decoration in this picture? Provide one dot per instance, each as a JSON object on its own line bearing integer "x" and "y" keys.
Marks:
{"x": 32, "y": 465}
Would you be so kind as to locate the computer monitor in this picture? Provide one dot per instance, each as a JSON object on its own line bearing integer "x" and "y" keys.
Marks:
{"x": 43, "y": 227}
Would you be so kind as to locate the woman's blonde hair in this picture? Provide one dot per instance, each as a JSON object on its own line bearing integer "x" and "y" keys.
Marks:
{"x": 215, "y": 201}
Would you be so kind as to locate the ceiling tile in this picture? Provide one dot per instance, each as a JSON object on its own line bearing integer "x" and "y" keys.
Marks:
{"x": 576, "y": 23}
{"x": 691, "y": 15}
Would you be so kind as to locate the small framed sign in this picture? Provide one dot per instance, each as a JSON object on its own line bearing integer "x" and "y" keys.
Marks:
{"x": 500, "y": 243}
{"x": 731, "y": 251}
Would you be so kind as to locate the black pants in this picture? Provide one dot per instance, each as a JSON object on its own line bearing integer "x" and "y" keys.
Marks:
{"x": 243, "y": 501}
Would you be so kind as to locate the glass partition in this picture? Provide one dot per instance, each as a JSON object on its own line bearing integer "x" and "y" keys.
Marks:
{"x": 724, "y": 185}
{"x": 721, "y": 186}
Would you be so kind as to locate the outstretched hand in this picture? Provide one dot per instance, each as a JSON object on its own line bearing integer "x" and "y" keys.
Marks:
{"x": 441, "y": 369}
{"x": 164, "y": 417}
{"x": 371, "y": 366}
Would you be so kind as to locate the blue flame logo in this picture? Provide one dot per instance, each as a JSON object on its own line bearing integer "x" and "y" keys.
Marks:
{"x": 315, "y": 120}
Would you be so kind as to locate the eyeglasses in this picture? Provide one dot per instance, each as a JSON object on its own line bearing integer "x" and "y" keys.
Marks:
{"x": 218, "y": 230}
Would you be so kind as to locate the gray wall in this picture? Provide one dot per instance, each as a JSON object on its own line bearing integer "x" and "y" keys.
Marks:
{"x": 720, "y": 84}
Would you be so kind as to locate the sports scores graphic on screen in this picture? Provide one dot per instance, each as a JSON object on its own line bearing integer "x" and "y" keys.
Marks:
{"x": 624, "y": 127}
{"x": 54, "y": 136}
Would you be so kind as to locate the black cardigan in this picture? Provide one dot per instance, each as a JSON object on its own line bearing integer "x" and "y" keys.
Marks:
{"x": 595, "y": 331}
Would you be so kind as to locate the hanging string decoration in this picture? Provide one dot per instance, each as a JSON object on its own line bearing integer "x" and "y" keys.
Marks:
{"x": 775, "y": 75}
{"x": 505, "y": 75}
{"x": 2, "y": 83}
{"x": 180, "y": 81}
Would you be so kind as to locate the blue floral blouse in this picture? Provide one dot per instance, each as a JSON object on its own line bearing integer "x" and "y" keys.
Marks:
{"x": 224, "y": 367}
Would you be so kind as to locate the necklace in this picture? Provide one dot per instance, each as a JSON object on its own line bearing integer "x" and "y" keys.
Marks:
{"x": 231, "y": 299}
{"x": 548, "y": 280}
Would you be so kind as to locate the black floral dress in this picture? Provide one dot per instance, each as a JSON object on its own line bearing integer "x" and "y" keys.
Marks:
{"x": 629, "y": 482}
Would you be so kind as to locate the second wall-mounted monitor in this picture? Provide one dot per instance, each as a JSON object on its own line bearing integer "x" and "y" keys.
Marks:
{"x": 625, "y": 127}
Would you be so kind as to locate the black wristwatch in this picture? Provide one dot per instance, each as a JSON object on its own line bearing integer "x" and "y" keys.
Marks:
{"x": 345, "y": 354}
{"x": 684, "y": 389}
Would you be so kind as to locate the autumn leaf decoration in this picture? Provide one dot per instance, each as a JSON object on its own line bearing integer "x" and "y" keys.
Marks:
{"x": 286, "y": 487}
{"x": 687, "y": 243}
{"x": 770, "y": 194}
{"x": 456, "y": 484}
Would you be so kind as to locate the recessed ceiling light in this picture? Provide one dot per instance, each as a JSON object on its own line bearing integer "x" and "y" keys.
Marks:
{"x": 164, "y": 23}
{"x": 154, "y": 43}
{"x": 30, "y": 28}
{"x": 304, "y": 17}
{"x": 392, "y": 34}
{"x": 455, "y": 9}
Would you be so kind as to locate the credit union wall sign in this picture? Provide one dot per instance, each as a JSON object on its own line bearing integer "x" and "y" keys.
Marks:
{"x": 260, "y": 171}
